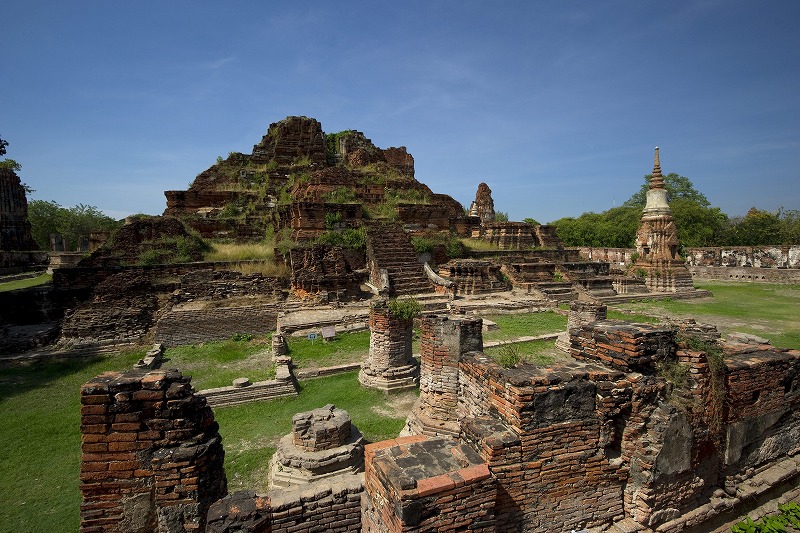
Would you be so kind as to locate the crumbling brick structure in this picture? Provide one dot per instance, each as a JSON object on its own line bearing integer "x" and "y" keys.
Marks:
{"x": 390, "y": 365}
{"x": 323, "y": 444}
{"x": 152, "y": 457}
{"x": 443, "y": 342}
{"x": 448, "y": 488}
{"x": 483, "y": 205}
{"x": 15, "y": 230}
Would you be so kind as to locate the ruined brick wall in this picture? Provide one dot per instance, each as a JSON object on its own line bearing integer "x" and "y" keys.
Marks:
{"x": 548, "y": 436}
{"x": 190, "y": 326}
{"x": 506, "y": 235}
{"x": 121, "y": 310}
{"x": 746, "y": 274}
{"x": 152, "y": 457}
{"x": 761, "y": 418}
{"x": 745, "y": 256}
{"x": 329, "y": 269}
{"x": 622, "y": 345}
{"x": 619, "y": 256}
{"x": 443, "y": 340}
{"x": 333, "y": 507}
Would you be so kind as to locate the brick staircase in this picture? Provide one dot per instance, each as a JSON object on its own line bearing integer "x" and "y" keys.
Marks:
{"x": 389, "y": 248}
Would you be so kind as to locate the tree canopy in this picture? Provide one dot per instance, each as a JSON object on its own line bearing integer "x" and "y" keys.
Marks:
{"x": 678, "y": 187}
{"x": 698, "y": 223}
{"x": 73, "y": 223}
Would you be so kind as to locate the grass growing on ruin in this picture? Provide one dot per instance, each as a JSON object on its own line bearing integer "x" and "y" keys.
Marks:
{"x": 232, "y": 251}
{"x": 25, "y": 283}
{"x": 525, "y": 325}
{"x": 40, "y": 441}
{"x": 539, "y": 353}
{"x": 217, "y": 364}
{"x": 250, "y": 432}
{"x": 760, "y": 309}
{"x": 479, "y": 245}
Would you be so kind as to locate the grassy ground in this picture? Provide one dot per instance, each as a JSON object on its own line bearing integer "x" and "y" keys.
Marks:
{"x": 25, "y": 283}
{"x": 40, "y": 435}
{"x": 522, "y": 325}
{"x": 40, "y": 442}
{"x": 217, "y": 364}
{"x": 771, "y": 311}
{"x": 345, "y": 348}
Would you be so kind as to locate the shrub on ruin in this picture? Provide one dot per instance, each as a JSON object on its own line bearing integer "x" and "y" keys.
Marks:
{"x": 353, "y": 238}
{"x": 508, "y": 357}
{"x": 405, "y": 309}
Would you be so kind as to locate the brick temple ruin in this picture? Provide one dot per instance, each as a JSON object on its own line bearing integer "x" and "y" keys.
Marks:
{"x": 606, "y": 440}
{"x": 300, "y": 183}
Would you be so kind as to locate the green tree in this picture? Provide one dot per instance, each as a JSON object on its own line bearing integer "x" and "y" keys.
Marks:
{"x": 698, "y": 225}
{"x": 677, "y": 187}
{"x": 500, "y": 216}
{"x": 531, "y": 221}
{"x": 757, "y": 228}
{"x": 74, "y": 223}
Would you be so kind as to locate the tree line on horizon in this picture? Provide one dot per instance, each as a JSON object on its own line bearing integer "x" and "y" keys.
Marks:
{"x": 698, "y": 223}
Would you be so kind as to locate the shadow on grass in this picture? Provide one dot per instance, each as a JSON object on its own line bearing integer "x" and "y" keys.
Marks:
{"x": 19, "y": 378}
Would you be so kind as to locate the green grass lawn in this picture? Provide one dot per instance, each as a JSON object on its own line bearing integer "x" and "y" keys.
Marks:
{"x": 524, "y": 325}
{"x": 40, "y": 435}
{"x": 25, "y": 283}
{"x": 345, "y": 348}
{"x": 770, "y": 311}
{"x": 40, "y": 442}
{"x": 217, "y": 364}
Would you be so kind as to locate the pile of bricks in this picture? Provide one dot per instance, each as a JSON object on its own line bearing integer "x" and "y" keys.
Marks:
{"x": 321, "y": 429}
{"x": 152, "y": 455}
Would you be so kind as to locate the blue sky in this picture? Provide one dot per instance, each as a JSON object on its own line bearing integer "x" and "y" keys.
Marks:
{"x": 557, "y": 105}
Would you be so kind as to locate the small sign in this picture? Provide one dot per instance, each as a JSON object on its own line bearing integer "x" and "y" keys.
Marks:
{"x": 329, "y": 333}
{"x": 312, "y": 337}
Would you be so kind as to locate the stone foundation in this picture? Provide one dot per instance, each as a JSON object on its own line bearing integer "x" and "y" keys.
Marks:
{"x": 448, "y": 488}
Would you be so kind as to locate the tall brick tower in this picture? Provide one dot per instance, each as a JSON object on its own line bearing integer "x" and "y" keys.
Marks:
{"x": 15, "y": 230}
{"x": 657, "y": 241}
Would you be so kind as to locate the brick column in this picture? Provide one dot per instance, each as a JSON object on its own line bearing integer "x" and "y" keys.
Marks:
{"x": 152, "y": 457}
{"x": 444, "y": 339}
{"x": 390, "y": 365}
{"x": 580, "y": 314}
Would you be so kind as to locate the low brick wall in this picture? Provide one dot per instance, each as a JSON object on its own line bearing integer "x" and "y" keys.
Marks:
{"x": 746, "y": 274}
{"x": 333, "y": 507}
{"x": 178, "y": 327}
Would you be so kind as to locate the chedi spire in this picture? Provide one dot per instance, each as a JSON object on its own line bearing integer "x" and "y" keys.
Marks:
{"x": 657, "y": 181}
